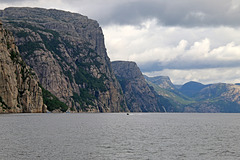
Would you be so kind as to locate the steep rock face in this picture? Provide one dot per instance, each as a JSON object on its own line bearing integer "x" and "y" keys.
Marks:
{"x": 139, "y": 96}
{"x": 67, "y": 52}
{"x": 161, "y": 81}
{"x": 19, "y": 90}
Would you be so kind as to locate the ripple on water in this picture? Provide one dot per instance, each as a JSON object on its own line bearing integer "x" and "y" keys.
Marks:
{"x": 117, "y": 136}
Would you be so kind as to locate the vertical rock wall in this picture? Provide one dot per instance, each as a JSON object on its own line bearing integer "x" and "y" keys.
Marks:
{"x": 19, "y": 90}
{"x": 139, "y": 96}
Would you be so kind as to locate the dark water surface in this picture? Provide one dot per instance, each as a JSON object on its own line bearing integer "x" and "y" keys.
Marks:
{"x": 110, "y": 136}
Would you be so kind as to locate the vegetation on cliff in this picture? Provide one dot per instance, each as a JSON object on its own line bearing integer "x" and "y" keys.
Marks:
{"x": 67, "y": 52}
{"x": 52, "y": 102}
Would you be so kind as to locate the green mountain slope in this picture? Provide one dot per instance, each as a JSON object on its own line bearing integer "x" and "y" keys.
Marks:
{"x": 196, "y": 97}
{"x": 164, "y": 87}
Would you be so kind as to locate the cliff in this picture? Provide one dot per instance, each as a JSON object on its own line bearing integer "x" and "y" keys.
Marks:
{"x": 19, "y": 89}
{"x": 67, "y": 52}
{"x": 164, "y": 87}
{"x": 161, "y": 81}
{"x": 139, "y": 96}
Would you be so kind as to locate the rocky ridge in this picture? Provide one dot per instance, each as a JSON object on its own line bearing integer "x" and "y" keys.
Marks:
{"x": 19, "y": 89}
{"x": 140, "y": 97}
{"x": 67, "y": 52}
{"x": 161, "y": 81}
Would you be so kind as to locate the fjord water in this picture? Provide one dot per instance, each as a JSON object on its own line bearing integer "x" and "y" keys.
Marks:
{"x": 110, "y": 136}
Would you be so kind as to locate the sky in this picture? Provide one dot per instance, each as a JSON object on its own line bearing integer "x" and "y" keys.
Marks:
{"x": 187, "y": 40}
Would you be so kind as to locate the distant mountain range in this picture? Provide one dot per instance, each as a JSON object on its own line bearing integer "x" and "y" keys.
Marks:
{"x": 197, "y": 97}
{"x": 192, "y": 88}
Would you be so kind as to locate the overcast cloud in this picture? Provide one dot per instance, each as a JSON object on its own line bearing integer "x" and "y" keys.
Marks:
{"x": 186, "y": 13}
{"x": 184, "y": 39}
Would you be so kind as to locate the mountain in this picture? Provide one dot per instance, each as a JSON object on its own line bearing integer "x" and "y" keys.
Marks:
{"x": 161, "y": 81}
{"x": 216, "y": 90}
{"x": 19, "y": 89}
{"x": 140, "y": 97}
{"x": 191, "y": 88}
{"x": 220, "y": 97}
{"x": 68, "y": 54}
{"x": 164, "y": 87}
{"x": 59, "y": 59}
{"x": 196, "y": 97}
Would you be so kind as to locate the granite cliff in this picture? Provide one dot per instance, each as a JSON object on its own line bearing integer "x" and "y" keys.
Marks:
{"x": 67, "y": 52}
{"x": 161, "y": 81}
{"x": 140, "y": 97}
{"x": 19, "y": 89}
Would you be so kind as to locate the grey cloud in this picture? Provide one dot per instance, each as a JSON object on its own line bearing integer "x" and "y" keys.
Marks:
{"x": 185, "y": 13}
{"x": 11, "y": 1}
{"x": 187, "y": 65}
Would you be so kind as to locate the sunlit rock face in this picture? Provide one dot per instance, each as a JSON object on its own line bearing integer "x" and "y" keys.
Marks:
{"x": 68, "y": 53}
{"x": 19, "y": 89}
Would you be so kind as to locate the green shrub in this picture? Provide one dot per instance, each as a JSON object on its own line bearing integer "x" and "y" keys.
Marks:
{"x": 52, "y": 101}
{"x": 69, "y": 75}
{"x": 22, "y": 34}
{"x": 29, "y": 47}
{"x": 82, "y": 76}
{"x": 13, "y": 56}
{"x": 84, "y": 99}
{"x": 4, "y": 105}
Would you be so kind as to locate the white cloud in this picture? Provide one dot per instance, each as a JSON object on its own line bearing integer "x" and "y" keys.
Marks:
{"x": 201, "y": 54}
{"x": 234, "y": 5}
{"x": 152, "y": 42}
{"x": 206, "y": 76}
